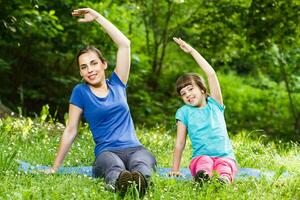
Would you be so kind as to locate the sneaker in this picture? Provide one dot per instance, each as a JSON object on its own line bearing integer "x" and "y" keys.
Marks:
{"x": 110, "y": 187}
{"x": 201, "y": 177}
{"x": 140, "y": 181}
{"x": 224, "y": 180}
{"x": 123, "y": 182}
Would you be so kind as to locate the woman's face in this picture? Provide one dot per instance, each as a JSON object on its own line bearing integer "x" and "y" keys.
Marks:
{"x": 92, "y": 68}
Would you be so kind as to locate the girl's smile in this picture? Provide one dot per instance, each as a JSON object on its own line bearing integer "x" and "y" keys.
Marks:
{"x": 192, "y": 95}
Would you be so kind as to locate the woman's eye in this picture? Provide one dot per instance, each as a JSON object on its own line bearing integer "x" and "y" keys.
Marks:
{"x": 83, "y": 67}
{"x": 95, "y": 63}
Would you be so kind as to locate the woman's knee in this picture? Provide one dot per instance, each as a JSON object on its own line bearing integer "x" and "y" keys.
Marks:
{"x": 142, "y": 157}
{"x": 105, "y": 162}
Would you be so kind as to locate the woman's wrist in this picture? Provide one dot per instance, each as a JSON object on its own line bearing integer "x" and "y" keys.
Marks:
{"x": 98, "y": 17}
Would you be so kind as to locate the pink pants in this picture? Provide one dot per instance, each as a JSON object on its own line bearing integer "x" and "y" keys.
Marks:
{"x": 223, "y": 166}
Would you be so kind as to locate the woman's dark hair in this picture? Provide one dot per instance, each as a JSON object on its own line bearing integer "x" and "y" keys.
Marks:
{"x": 190, "y": 79}
{"x": 88, "y": 49}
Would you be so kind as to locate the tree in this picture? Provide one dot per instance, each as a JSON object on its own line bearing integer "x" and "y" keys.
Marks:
{"x": 161, "y": 19}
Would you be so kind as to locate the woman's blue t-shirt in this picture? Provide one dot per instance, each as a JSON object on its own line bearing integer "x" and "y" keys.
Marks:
{"x": 206, "y": 129}
{"x": 109, "y": 117}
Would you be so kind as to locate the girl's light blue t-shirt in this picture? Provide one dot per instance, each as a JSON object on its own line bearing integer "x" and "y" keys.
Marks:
{"x": 109, "y": 117}
{"x": 206, "y": 129}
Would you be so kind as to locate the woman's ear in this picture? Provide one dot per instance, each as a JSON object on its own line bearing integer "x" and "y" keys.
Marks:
{"x": 105, "y": 64}
{"x": 80, "y": 74}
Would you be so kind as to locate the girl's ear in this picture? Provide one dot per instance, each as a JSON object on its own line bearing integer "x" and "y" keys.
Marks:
{"x": 202, "y": 91}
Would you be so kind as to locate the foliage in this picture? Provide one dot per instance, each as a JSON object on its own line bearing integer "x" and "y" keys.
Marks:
{"x": 257, "y": 105}
{"x": 39, "y": 40}
{"x": 254, "y": 104}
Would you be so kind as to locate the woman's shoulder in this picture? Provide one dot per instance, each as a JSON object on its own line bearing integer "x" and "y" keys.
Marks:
{"x": 115, "y": 80}
{"x": 79, "y": 86}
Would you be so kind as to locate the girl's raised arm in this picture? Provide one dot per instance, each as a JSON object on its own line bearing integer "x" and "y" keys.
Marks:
{"x": 123, "y": 55}
{"x": 213, "y": 82}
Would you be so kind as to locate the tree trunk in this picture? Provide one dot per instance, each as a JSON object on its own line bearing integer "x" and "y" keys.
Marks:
{"x": 4, "y": 111}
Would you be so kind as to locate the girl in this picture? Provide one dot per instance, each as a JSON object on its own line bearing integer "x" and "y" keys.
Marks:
{"x": 120, "y": 157}
{"x": 202, "y": 117}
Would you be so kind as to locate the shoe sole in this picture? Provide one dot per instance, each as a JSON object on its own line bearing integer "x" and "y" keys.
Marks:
{"x": 140, "y": 181}
{"x": 201, "y": 177}
{"x": 223, "y": 181}
{"x": 124, "y": 181}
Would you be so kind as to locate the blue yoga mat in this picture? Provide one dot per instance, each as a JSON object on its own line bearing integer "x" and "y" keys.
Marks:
{"x": 186, "y": 175}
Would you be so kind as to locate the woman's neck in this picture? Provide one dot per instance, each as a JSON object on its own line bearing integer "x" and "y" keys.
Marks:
{"x": 100, "y": 90}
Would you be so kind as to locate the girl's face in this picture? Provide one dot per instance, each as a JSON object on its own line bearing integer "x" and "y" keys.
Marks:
{"x": 193, "y": 95}
{"x": 92, "y": 68}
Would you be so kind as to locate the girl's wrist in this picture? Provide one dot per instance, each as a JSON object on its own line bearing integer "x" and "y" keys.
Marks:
{"x": 175, "y": 169}
{"x": 54, "y": 168}
{"x": 192, "y": 51}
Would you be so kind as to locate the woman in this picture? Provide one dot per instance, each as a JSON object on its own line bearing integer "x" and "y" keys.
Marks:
{"x": 120, "y": 157}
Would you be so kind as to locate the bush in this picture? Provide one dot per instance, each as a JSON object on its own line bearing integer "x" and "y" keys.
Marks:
{"x": 257, "y": 104}
{"x": 254, "y": 104}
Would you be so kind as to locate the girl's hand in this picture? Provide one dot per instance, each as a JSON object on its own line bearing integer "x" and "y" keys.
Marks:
{"x": 174, "y": 173}
{"x": 183, "y": 45}
{"x": 88, "y": 13}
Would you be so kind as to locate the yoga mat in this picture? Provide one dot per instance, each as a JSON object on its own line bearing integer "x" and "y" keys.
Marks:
{"x": 186, "y": 175}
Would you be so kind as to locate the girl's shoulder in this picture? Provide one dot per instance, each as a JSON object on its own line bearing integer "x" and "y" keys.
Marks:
{"x": 185, "y": 109}
{"x": 212, "y": 101}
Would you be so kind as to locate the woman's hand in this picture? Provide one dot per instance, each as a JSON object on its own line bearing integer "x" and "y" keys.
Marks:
{"x": 88, "y": 13}
{"x": 48, "y": 171}
{"x": 174, "y": 173}
{"x": 183, "y": 45}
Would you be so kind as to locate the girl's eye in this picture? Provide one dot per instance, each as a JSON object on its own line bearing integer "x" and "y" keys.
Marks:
{"x": 190, "y": 89}
{"x": 83, "y": 67}
{"x": 95, "y": 63}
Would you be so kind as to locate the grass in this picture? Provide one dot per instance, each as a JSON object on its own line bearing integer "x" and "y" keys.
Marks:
{"x": 36, "y": 141}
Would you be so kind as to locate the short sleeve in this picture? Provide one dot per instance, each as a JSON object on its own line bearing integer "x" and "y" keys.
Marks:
{"x": 181, "y": 116}
{"x": 214, "y": 102}
{"x": 76, "y": 97}
{"x": 115, "y": 80}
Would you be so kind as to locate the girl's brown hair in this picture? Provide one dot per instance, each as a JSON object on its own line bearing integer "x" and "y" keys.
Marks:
{"x": 190, "y": 79}
{"x": 87, "y": 49}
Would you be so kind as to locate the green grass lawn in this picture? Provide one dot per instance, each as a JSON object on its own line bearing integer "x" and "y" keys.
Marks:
{"x": 36, "y": 141}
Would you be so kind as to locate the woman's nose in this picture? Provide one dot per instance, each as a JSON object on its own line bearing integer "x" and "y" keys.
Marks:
{"x": 90, "y": 68}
